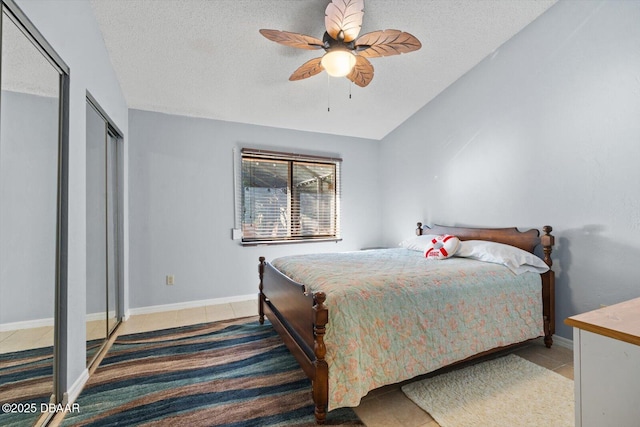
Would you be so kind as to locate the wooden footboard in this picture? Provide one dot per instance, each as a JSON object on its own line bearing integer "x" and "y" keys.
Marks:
{"x": 301, "y": 317}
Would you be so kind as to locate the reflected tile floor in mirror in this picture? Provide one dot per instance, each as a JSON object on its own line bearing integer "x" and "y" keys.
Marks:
{"x": 25, "y": 339}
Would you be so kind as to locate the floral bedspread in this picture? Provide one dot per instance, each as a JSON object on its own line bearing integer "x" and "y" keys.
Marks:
{"x": 394, "y": 314}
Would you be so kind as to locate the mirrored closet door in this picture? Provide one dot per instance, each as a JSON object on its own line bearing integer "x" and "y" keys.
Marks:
{"x": 33, "y": 147}
{"x": 103, "y": 242}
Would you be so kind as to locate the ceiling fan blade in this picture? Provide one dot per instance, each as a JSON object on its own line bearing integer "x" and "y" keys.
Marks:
{"x": 308, "y": 69}
{"x": 343, "y": 18}
{"x": 286, "y": 38}
{"x": 362, "y": 72}
{"x": 386, "y": 43}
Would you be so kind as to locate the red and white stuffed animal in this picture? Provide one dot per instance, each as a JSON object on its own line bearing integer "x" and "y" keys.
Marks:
{"x": 442, "y": 247}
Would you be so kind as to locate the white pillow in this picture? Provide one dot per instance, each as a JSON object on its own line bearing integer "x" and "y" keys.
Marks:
{"x": 418, "y": 243}
{"x": 515, "y": 259}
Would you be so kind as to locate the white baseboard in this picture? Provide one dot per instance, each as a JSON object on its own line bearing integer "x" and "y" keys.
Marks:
{"x": 39, "y": 323}
{"x": 26, "y": 324}
{"x": 189, "y": 304}
{"x": 74, "y": 391}
{"x": 563, "y": 342}
{"x": 91, "y": 317}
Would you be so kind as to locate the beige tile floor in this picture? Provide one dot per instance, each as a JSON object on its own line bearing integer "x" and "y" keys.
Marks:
{"x": 188, "y": 316}
{"x": 24, "y": 339}
{"x": 383, "y": 407}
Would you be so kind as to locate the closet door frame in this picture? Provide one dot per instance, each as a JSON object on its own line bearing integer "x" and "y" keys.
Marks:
{"x": 112, "y": 131}
{"x": 16, "y": 14}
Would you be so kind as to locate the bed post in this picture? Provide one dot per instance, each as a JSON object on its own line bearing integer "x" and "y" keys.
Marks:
{"x": 419, "y": 229}
{"x": 321, "y": 379}
{"x": 548, "y": 287}
{"x": 261, "y": 288}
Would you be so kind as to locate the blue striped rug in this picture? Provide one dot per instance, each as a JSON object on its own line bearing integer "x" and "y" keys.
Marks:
{"x": 26, "y": 379}
{"x": 230, "y": 373}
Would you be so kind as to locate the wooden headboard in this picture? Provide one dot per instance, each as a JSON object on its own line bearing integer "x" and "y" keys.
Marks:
{"x": 526, "y": 240}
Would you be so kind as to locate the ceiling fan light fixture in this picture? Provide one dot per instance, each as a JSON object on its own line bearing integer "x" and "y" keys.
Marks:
{"x": 338, "y": 62}
{"x": 347, "y": 53}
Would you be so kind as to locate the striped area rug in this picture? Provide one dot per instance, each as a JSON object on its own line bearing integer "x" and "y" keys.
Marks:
{"x": 26, "y": 378}
{"x": 229, "y": 373}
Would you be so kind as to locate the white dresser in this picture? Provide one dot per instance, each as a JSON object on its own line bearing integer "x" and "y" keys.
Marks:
{"x": 606, "y": 352}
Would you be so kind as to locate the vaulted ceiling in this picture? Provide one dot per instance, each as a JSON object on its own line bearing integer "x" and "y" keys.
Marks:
{"x": 206, "y": 58}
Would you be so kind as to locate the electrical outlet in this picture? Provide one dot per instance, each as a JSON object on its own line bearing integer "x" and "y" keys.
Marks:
{"x": 170, "y": 280}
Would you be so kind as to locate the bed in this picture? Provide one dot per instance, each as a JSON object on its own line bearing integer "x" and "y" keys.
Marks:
{"x": 404, "y": 315}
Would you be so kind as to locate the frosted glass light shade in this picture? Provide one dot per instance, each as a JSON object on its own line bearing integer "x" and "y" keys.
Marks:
{"x": 338, "y": 63}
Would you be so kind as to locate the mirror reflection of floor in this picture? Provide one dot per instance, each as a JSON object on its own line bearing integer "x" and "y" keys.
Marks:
{"x": 96, "y": 337}
{"x": 25, "y": 339}
{"x": 26, "y": 362}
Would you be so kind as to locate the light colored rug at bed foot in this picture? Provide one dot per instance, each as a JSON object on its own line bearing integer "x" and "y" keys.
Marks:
{"x": 508, "y": 391}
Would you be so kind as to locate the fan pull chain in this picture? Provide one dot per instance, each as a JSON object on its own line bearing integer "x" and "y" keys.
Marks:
{"x": 328, "y": 94}
{"x": 350, "y": 85}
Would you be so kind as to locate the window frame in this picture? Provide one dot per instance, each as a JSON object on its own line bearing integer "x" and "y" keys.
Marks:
{"x": 294, "y": 214}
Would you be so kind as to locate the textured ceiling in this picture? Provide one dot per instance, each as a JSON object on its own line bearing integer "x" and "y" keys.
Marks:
{"x": 24, "y": 68}
{"x": 205, "y": 58}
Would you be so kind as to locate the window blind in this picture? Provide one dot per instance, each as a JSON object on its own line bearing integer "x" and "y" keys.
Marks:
{"x": 285, "y": 197}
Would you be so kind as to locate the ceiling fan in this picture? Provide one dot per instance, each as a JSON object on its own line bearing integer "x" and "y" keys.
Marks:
{"x": 345, "y": 53}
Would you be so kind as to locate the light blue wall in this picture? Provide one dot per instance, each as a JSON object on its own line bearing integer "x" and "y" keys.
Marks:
{"x": 70, "y": 27}
{"x": 544, "y": 131}
{"x": 28, "y": 177}
{"x": 182, "y": 204}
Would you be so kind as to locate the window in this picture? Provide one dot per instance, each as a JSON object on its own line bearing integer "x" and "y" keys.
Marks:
{"x": 286, "y": 197}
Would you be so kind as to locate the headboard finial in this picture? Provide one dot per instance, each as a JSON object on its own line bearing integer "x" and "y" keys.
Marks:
{"x": 419, "y": 229}
{"x": 547, "y": 240}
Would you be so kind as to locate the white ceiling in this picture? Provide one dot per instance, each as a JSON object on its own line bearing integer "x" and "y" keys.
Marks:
{"x": 205, "y": 58}
{"x": 24, "y": 68}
